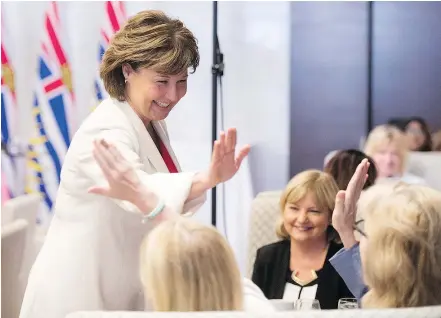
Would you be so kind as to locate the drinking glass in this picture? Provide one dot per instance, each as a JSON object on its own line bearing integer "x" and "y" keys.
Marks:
{"x": 348, "y": 303}
{"x": 307, "y": 304}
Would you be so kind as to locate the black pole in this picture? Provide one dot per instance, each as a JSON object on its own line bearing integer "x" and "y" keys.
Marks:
{"x": 218, "y": 71}
{"x": 370, "y": 38}
{"x": 214, "y": 109}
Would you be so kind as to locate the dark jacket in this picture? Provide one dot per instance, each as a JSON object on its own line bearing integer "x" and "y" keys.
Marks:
{"x": 272, "y": 265}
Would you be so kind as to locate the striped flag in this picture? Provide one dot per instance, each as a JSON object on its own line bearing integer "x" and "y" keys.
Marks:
{"x": 9, "y": 123}
{"x": 115, "y": 17}
{"x": 53, "y": 116}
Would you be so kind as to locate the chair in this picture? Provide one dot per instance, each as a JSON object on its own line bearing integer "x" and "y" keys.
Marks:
{"x": 13, "y": 247}
{"x": 265, "y": 212}
{"x": 426, "y": 165}
{"x": 26, "y": 207}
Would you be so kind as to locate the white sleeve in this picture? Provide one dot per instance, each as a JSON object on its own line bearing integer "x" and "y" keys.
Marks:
{"x": 254, "y": 299}
{"x": 172, "y": 188}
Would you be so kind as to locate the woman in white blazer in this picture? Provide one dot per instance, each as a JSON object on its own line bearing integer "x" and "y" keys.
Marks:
{"x": 89, "y": 260}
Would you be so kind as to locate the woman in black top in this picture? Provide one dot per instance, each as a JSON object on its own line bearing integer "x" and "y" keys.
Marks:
{"x": 298, "y": 266}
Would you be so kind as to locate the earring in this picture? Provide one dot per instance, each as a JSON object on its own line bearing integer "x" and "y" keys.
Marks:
{"x": 125, "y": 81}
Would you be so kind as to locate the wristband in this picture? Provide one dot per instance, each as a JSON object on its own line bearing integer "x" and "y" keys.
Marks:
{"x": 156, "y": 211}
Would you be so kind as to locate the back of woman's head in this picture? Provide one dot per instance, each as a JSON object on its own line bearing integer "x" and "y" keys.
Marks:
{"x": 402, "y": 257}
{"x": 187, "y": 266}
{"x": 343, "y": 165}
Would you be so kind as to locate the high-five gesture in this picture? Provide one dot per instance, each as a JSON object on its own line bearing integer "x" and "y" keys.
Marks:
{"x": 224, "y": 162}
{"x": 123, "y": 181}
{"x": 343, "y": 217}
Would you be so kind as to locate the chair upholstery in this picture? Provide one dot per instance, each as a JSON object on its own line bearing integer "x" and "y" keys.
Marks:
{"x": 13, "y": 246}
{"x": 423, "y": 312}
{"x": 265, "y": 212}
{"x": 26, "y": 207}
{"x": 426, "y": 165}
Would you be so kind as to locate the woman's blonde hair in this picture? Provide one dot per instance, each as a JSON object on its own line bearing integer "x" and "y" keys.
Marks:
{"x": 324, "y": 188}
{"x": 150, "y": 39}
{"x": 187, "y": 266}
{"x": 402, "y": 259}
{"x": 384, "y": 135}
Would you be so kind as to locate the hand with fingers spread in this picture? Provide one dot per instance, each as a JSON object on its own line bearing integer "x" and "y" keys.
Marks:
{"x": 224, "y": 162}
{"x": 343, "y": 217}
{"x": 123, "y": 182}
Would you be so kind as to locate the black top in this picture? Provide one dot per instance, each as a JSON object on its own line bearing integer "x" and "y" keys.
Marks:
{"x": 271, "y": 273}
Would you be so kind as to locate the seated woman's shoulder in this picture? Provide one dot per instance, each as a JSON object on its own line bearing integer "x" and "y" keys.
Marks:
{"x": 268, "y": 250}
{"x": 413, "y": 179}
{"x": 334, "y": 247}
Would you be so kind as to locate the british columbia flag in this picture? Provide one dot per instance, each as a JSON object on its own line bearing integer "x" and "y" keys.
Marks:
{"x": 53, "y": 115}
{"x": 115, "y": 17}
{"x": 9, "y": 123}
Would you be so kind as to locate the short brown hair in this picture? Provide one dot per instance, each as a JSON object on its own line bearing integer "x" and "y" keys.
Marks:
{"x": 150, "y": 39}
{"x": 343, "y": 165}
{"x": 324, "y": 188}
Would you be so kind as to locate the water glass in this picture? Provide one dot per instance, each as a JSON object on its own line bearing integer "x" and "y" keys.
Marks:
{"x": 307, "y": 304}
{"x": 348, "y": 303}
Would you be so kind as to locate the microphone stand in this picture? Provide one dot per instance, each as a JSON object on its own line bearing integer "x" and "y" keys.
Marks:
{"x": 217, "y": 72}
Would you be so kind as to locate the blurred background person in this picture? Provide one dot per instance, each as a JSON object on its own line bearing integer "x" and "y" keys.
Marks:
{"x": 343, "y": 165}
{"x": 388, "y": 148}
{"x": 436, "y": 139}
{"x": 418, "y": 134}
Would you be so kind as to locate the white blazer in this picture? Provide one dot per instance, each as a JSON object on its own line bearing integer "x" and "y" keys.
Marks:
{"x": 89, "y": 260}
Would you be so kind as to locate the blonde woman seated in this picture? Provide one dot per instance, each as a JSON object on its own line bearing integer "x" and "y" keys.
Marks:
{"x": 298, "y": 265}
{"x": 187, "y": 266}
{"x": 388, "y": 147}
{"x": 184, "y": 265}
{"x": 399, "y": 246}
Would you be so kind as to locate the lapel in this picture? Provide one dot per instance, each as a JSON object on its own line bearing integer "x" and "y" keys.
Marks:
{"x": 328, "y": 282}
{"x": 281, "y": 263}
{"x": 161, "y": 130}
{"x": 147, "y": 147}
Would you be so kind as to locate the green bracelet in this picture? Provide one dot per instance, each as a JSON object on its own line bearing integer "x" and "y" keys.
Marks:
{"x": 158, "y": 209}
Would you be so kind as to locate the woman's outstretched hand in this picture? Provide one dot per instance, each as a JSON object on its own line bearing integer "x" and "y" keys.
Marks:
{"x": 123, "y": 182}
{"x": 225, "y": 162}
{"x": 345, "y": 211}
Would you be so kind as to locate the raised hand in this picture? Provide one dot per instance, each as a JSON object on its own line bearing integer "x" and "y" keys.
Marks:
{"x": 224, "y": 162}
{"x": 123, "y": 182}
{"x": 343, "y": 217}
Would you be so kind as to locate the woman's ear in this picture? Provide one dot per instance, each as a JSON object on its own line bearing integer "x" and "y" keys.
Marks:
{"x": 127, "y": 70}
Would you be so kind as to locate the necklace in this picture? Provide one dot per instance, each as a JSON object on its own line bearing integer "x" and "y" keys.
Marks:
{"x": 303, "y": 282}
